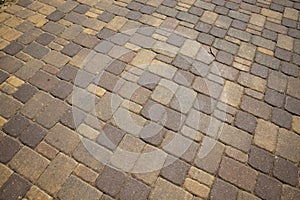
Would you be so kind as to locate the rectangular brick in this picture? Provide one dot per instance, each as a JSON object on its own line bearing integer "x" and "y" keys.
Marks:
{"x": 238, "y": 174}
{"x": 256, "y": 107}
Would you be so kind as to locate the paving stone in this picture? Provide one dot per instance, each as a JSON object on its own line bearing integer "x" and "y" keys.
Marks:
{"x": 267, "y": 60}
{"x": 289, "y": 193}
{"x": 239, "y": 24}
{"x": 36, "y": 50}
{"x": 292, "y": 87}
{"x": 261, "y": 159}
{"x": 33, "y": 135}
{"x": 266, "y": 135}
{"x": 174, "y": 120}
{"x": 53, "y": 28}
{"x": 56, "y": 173}
{"x": 236, "y": 138}
{"x": 206, "y": 39}
{"x": 81, "y": 9}
{"x": 238, "y": 174}
{"x": 205, "y": 104}
{"x": 245, "y": 121}
{"x": 74, "y": 188}
{"x": 196, "y": 188}
{"x": 207, "y": 87}
{"x": 55, "y": 16}
{"x": 13, "y": 48}
{"x": 9, "y": 147}
{"x": 274, "y": 98}
{"x": 62, "y": 90}
{"x": 16, "y": 125}
{"x": 134, "y": 189}
{"x": 5, "y": 174}
{"x": 176, "y": 171}
{"x": 242, "y": 195}
{"x": 288, "y": 145}
{"x": 247, "y": 51}
{"x": 44, "y": 81}
{"x": 281, "y": 118}
{"x": 267, "y": 187}
{"x": 232, "y": 93}
{"x": 225, "y": 46}
{"x": 165, "y": 190}
{"x": 25, "y": 92}
{"x": 285, "y": 171}
{"x": 85, "y": 40}
{"x": 15, "y": 187}
{"x": 45, "y": 39}
{"x": 37, "y": 193}
{"x": 223, "y": 190}
{"x": 292, "y": 105}
{"x": 56, "y": 59}
{"x": 110, "y": 137}
{"x": 29, "y": 163}
{"x": 3, "y": 76}
{"x": 268, "y": 34}
{"x": 111, "y": 181}
{"x": 260, "y": 109}
{"x": 224, "y": 57}
{"x": 290, "y": 69}
{"x": 9, "y": 106}
{"x": 71, "y": 49}
{"x": 148, "y": 80}
{"x": 72, "y": 117}
{"x": 211, "y": 161}
{"x": 283, "y": 54}
{"x": 51, "y": 113}
{"x": 63, "y": 138}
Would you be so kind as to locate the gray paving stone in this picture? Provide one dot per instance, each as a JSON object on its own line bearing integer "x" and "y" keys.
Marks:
{"x": 55, "y": 16}
{"x": 9, "y": 147}
{"x": 134, "y": 189}
{"x": 292, "y": 105}
{"x": 223, "y": 190}
{"x": 8, "y": 106}
{"x": 274, "y": 98}
{"x": 281, "y": 118}
{"x": 267, "y": 187}
{"x": 13, "y": 48}
{"x": 285, "y": 171}
{"x": 261, "y": 159}
{"x": 36, "y": 50}
{"x": 16, "y": 125}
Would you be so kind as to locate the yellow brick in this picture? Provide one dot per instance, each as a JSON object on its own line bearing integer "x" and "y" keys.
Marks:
{"x": 5, "y": 173}
{"x": 116, "y": 23}
{"x": 38, "y": 19}
{"x": 159, "y": 37}
{"x": 13, "y": 22}
{"x": 232, "y": 93}
{"x": 11, "y": 35}
{"x": 36, "y": 193}
{"x": 134, "y": 107}
{"x": 3, "y": 44}
{"x": 257, "y": 19}
{"x": 143, "y": 58}
{"x": 65, "y": 22}
{"x": 291, "y": 13}
{"x": 201, "y": 176}
{"x": 36, "y": 5}
{"x": 7, "y": 88}
{"x": 296, "y": 124}
{"x": 150, "y": 20}
{"x": 2, "y": 121}
{"x": 4, "y": 16}
{"x": 209, "y": 17}
{"x": 154, "y": 3}
{"x": 241, "y": 66}
{"x": 89, "y": 31}
{"x": 265, "y": 51}
{"x": 14, "y": 81}
{"x": 46, "y": 9}
{"x": 271, "y": 14}
{"x": 91, "y": 14}
{"x": 196, "y": 188}
{"x": 96, "y": 90}
{"x": 132, "y": 46}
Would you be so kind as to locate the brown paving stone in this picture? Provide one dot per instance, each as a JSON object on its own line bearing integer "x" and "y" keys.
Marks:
{"x": 13, "y": 48}
{"x": 86, "y": 173}
{"x": 63, "y": 138}
{"x": 10, "y": 64}
{"x": 292, "y": 105}
{"x": 37, "y": 193}
{"x": 9, "y": 147}
{"x": 255, "y": 107}
{"x": 36, "y": 50}
{"x": 111, "y": 181}
{"x": 68, "y": 73}
{"x": 289, "y": 193}
{"x": 238, "y": 174}
{"x": 267, "y": 187}
{"x": 62, "y": 89}
{"x": 15, "y": 187}
{"x": 223, "y": 190}
{"x": 29, "y": 164}
{"x": 176, "y": 171}
{"x": 32, "y": 135}
{"x": 245, "y": 121}
{"x": 5, "y": 174}
{"x": 44, "y": 81}
{"x": 25, "y": 92}
{"x": 134, "y": 189}
{"x": 285, "y": 171}
{"x": 281, "y": 118}
{"x": 110, "y": 136}
{"x": 47, "y": 150}
{"x": 75, "y": 188}
{"x": 69, "y": 120}
{"x": 261, "y": 159}
{"x": 56, "y": 174}
{"x": 16, "y": 125}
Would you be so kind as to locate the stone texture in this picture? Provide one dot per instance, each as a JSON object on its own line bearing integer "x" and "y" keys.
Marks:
{"x": 261, "y": 159}
{"x": 223, "y": 190}
{"x": 9, "y": 147}
{"x": 285, "y": 171}
{"x": 74, "y": 188}
{"x": 267, "y": 187}
{"x": 266, "y": 135}
{"x": 134, "y": 189}
{"x": 32, "y": 135}
{"x": 238, "y": 174}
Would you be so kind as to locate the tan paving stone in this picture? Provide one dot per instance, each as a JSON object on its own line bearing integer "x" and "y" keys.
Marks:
{"x": 47, "y": 150}
{"x": 86, "y": 173}
{"x": 291, "y": 13}
{"x": 201, "y": 176}
{"x": 285, "y": 42}
{"x": 266, "y": 134}
{"x": 296, "y": 124}
{"x": 143, "y": 58}
{"x": 36, "y": 193}
{"x": 236, "y": 154}
{"x": 196, "y": 188}
{"x": 29, "y": 163}
{"x": 252, "y": 82}
{"x": 165, "y": 190}
{"x": 209, "y": 17}
{"x": 257, "y": 19}
{"x": 232, "y": 94}
{"x": 288, "y": 145}
{"x": 116, "y": 23}
{"x": 247, "y": 51}
{"x": 56, "y": 174}
{"x": 150, "y": 20}
{"x": 5, "y": 173}
{"x": 271, "y": 13}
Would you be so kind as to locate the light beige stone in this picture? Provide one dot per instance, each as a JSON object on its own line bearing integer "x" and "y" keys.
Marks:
{"x": 291, "y": 13}
{"x": 266, "y": 135}
{"x": 232, "y": 93}
{"x": 201, "y": 176}
{"x": 209, "y": 17}
{"x": 196, "y": 188}
{"x": 253, "y": 82}
{"x": 296, "y": 124}
{"x": 5, "y": 173}
{"x": 36, "y": 193}
{"x": 285, "y": 42}
{"x": 258, "y": 20}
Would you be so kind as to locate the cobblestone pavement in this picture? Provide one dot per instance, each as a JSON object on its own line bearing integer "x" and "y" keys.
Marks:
{"x": 150, "y": 99}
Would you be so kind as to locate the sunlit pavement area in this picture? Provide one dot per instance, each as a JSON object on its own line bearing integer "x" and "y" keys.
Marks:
{"x": 150, "y": 99}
